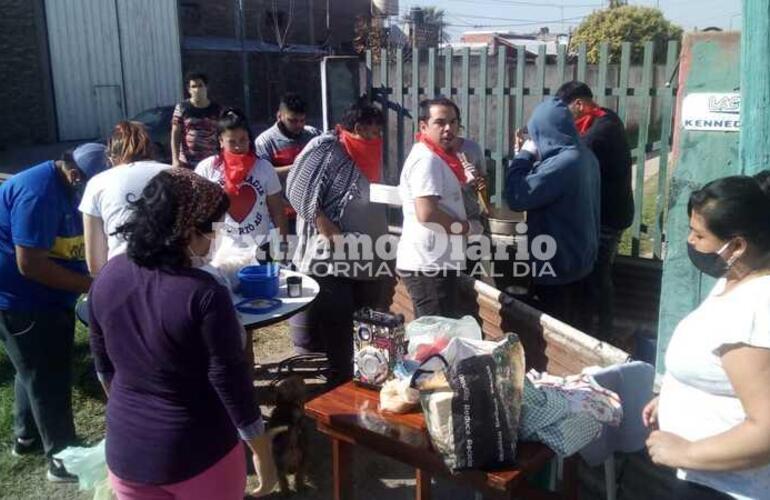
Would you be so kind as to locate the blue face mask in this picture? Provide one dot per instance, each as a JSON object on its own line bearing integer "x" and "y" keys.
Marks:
{"x": 709, "y": 263}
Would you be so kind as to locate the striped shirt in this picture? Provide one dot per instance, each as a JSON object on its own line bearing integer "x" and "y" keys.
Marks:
{"x": 199, "y": 131}
{"x": 274, "y": 146}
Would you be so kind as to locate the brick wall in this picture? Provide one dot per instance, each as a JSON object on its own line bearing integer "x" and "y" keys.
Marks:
{"x": 216, "y": 18}
{"x": 488, "y": 38}
{"x": 270, "y": 73}
{"x": 26, "y": 109}
{"x": 224, "y": 72}
{"x": 207, "y": 18}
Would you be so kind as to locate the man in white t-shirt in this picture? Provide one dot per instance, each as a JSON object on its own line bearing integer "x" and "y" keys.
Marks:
{"x": 431, "y": 252}
{"x": 105, "y": 206}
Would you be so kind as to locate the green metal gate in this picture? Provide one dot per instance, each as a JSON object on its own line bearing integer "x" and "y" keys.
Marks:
{"x": 491, "y": 88}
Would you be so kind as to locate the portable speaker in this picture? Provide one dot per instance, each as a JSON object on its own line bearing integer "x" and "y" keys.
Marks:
{"x": 379, "y": 342}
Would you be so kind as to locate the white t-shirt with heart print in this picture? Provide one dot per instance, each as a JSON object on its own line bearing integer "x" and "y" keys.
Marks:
{"x": 247, "y": 222}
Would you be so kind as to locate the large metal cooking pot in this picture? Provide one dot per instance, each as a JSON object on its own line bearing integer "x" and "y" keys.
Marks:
{"x": 503, "y": 221}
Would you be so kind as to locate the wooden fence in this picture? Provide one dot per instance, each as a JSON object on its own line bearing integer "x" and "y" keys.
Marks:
{"x": 501, "y": 87}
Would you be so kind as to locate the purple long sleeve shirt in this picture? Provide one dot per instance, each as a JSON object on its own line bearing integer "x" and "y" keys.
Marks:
{"x": 181, "y": 388}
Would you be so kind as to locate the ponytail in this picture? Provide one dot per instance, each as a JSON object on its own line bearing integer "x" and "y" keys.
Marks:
{"x": 234, "y": 119}
{"x": 129, "y": 143}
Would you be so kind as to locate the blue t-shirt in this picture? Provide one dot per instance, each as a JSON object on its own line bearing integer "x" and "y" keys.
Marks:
{"x": 37, "y": 210}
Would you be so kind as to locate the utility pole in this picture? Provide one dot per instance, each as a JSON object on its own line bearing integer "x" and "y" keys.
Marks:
{"x": 754, "y": 146}
{"x": 240, "y": 16}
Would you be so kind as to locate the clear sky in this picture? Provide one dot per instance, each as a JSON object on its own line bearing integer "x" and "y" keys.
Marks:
{"x": 527, "y": 16}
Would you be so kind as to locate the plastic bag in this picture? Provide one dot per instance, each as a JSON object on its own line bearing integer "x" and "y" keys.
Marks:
{"x": 227, "y": 261}
{"x": 90, "y": 466}
{"x": 398, "y": 397}
{"x": 472, "y": 402}
{"x": 429, "y": 335}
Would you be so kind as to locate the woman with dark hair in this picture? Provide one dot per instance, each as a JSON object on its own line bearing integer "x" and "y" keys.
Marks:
{"x": 251, "y": 184}
{"x": 168, "y": 350}
{"x": 713, "y": 412}
{"x": 105, "y": 201}
{"x": 328, "y": 186}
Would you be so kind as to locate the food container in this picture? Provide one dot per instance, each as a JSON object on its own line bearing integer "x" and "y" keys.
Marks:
{"x": 294, "y": 286}
{"x": 259, "y": 282}
{"x": 503, "y": 221}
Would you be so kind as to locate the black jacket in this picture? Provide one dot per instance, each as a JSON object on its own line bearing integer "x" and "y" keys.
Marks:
{"x": 607, "y": 139}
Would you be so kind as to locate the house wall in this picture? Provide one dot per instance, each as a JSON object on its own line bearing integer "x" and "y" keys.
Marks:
{"x": 25, "y": 89}
{"x": 271, "y": 72}
{"x": 111, "y": 60}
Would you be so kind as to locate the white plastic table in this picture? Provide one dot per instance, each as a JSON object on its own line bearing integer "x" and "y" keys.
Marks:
{"x": 289, "y": 307}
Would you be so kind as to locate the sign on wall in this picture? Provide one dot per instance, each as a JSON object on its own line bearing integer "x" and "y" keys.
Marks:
{"x": 712, "y": 112}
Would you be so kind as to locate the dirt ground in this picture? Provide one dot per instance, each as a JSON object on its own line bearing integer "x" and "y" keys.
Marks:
{"x": 374, "y": 477}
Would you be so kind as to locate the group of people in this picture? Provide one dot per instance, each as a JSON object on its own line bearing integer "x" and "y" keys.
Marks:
{"x": 139, "y": 236}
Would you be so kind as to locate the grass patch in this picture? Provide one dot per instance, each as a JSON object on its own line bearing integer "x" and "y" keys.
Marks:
{"x": 646, "y": 243}
{"x": 24, "y": 478}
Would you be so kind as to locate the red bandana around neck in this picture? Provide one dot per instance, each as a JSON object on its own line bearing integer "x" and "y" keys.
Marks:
{"x": 584, "y": 122}
{"x": 451, "y": 159}
{"x": 366, "y": 153}
{"x": 236, "y": 167}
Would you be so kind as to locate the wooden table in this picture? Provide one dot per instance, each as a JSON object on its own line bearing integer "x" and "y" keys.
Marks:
{"x": 350, "y": 416}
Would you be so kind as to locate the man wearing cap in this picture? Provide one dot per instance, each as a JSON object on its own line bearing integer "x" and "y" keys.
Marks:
{"x": 42, "y": 273}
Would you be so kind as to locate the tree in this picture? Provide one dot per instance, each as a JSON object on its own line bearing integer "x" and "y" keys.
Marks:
{"x": 430, "y": 17}
{"x": 369, "y": 35}
{"x": 626, "y": 23}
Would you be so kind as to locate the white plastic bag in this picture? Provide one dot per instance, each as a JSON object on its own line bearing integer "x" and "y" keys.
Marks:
{"x": 430, "y": 330}
{"x": 396, "y": 396}
{"x": 90, "y": 466}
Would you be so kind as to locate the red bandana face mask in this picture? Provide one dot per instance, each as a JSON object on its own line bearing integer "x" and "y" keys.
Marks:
{"x": 236, "y": 167}
{"x": 451, "y": 159}
{"x": 584, "y": 122}
{"x": 366, "y": 153}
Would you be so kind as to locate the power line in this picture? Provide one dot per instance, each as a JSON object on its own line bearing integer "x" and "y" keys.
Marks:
{"x": 530, "y": 23}
{"x": 532, "y": 4}
{"x": 460, "y": 17}
{"x": 494, "y": 18}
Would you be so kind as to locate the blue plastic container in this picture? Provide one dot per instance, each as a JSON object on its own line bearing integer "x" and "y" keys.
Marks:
{"x": 259, "y": 282}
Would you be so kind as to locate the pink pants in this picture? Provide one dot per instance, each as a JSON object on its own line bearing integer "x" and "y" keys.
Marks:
{"x": 225, "y": 480}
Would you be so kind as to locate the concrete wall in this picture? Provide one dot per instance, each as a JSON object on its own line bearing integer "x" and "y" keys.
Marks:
{"x": 710, "y": 63}
{"x": 26, "y": 112}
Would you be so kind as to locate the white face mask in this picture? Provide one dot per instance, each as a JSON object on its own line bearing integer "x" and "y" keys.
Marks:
{"x": 203, "y": 260}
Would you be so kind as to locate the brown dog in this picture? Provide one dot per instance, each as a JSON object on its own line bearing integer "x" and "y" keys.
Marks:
{"x": 290, "y": 446}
